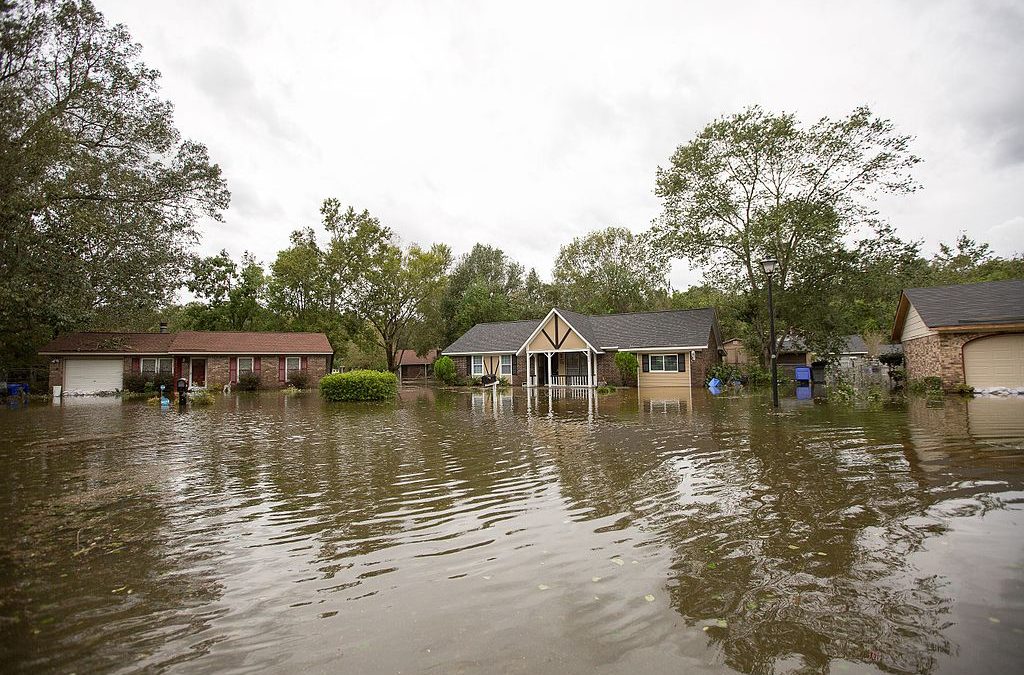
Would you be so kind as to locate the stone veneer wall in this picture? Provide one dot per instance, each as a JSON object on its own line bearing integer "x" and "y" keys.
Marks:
{"x": 922, "y": 357}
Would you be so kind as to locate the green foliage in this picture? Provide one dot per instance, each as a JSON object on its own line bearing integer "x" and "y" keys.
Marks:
{"x": 964, "y": 390}
{"x": 231, "y": 295}
{"x": 726, "y": 372}
{"x": 757, "y": 185}
{"x": 841, "y": 392}
{"x": 485, "y": 285}
{"x": 248, "y": 382}
{"x": 135, "y": 383}
{"x": 757, "y": 376}
{"x": 898, "y": 376}
{"x": 298, "y": 379}
{"x": 359, "y": 385}
{"x": 445, "y": 370}
{"x": 606, "y": 389}
{"x": 201, "y": 397}
{"x": 101, "y": 196}
{"x": 891, "y": 359}
{"x": 627, "y": 364}
{"x": 610, "y": 271}
{"x": 925, "y": 385}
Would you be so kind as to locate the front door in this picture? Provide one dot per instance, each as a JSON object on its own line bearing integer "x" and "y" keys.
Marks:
{"x": 199, "y": 372}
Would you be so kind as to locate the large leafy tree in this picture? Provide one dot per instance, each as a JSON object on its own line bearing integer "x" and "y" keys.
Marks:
{"x": 758, "y": 185}
{"x": 99, "y": 194}
{"x": 485, "y": 285}
{"x": 611, "y": 270}
{"x": 231, "y": 296}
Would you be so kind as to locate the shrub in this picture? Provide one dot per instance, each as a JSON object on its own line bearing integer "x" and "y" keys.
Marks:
{"x": 926, "y": 385}
{"x": 758, "y": 376}
{"x": 726, "y": 372}
{"x": 627, "y": 364}
{"x": 135, "y": 383}
{"x": 965, "y": 390}
{"x": 444, "y": 370}
{"x": 201, "y": 397}
{"x": 248, "y": 382}
{"x": 893, "y": 359}
{"x": 359, "y": 385}
{"x": 606, "y": 389}
{"x": 299, "y": 379}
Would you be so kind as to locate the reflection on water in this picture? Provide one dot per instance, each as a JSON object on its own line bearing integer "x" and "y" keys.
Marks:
{"x": 513, "y": 531}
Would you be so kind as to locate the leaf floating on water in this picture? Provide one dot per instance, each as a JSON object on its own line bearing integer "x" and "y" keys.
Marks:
{"x": 707, "y": 628}
{"x": 751, "y": 605}
{"x": 649, "y": 598}
{"x": 712, "y": 565}
{"x": 543, "y": 587}
{"x": 635, "y": 562}
{"x": 618, "y": 561}
{"x": 793, "y": 548}
{"x": 722, "y": 623}
{"x": 993, "y": 619}
{"x": 821, "y": 553}
{"x": 487, "y": 577}
{"x": 595, "y": 579}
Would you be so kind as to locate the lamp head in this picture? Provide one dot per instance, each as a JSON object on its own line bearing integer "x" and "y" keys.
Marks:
{"x": 769, "y": 265}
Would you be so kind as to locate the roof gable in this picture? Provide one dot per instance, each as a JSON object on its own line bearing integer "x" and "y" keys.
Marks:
{"x": 966, "y": 305}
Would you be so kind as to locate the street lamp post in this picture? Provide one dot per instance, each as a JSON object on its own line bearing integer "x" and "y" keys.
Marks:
{"x": 769, "y": 266}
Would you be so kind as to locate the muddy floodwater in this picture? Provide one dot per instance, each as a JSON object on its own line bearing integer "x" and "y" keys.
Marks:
{"x": 454, "y": 532}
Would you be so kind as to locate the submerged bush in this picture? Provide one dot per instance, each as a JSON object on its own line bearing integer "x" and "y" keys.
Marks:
{"x": 135, "y": 383}
{"x": 627, "y": 364}
{"x": 359, "y": 385}
{"x": 606, "y": 389}
{"x": 248, "y": 382}
{"x": 201, "y": 397}
{"x": 298, "y": 379}
{"x": 444, "y": 370}
{"x": 926, "y": 385}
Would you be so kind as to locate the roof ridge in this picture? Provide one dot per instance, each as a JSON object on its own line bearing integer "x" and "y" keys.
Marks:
{"x": 969, "y": 283}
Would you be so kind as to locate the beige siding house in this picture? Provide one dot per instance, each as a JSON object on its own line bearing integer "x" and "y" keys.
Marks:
{"x": 567, "y": 349}
{"x": 967, "y": 334}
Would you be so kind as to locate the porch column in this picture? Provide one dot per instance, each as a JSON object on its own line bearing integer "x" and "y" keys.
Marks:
{"x": 549, "y": 369}
{"x": 590, "y": 372}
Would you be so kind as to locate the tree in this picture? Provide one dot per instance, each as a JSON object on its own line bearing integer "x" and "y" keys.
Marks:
{"x": 609, "y": 271}
{"x": 99, "y": 195}
{"x": 756, "y": 185}
{"x": 485, "y": 285}
{"x": 230, "y": 295}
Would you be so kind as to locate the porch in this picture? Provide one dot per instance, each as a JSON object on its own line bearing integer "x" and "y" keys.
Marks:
{"x": 570, "y": 368}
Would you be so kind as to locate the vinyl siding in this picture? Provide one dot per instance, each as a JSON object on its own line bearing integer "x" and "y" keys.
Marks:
{"x": 913, "y": 326}
{"x": 681, "y": 379}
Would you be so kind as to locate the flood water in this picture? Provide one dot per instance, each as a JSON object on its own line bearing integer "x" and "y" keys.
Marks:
{"x": 458, "y": 533}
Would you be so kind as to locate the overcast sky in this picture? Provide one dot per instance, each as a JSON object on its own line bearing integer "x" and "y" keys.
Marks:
{"x": 523, "y": 125}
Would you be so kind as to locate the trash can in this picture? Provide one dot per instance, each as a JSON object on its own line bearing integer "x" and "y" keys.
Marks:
{"x": 818, "y": 372}
{"x": 802, "y": 374}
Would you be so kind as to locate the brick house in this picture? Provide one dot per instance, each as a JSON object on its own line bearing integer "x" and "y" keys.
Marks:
{"x": 92, "y": 362}
{"x": 967, "y": 334}
{"x": 565, "y": 349}
{"x": 412, "y": 366}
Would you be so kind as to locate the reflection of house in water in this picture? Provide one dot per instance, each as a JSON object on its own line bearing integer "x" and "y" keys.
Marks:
{"x": 940, "y": 429}
{"x": 665, "y": 400}
{"x": 492, "y": 400}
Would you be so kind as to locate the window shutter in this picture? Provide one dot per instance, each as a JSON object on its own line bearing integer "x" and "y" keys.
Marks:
{"x": 645, "y": 361}
{"x": 256, "y": 362}
{"x": 280, "y": 368}
{"x": 469, "y": 366}
{"x": 683, "y": 358}
{"x": 136, "y": 364}
{"x": 233, "y": 369}
{"x": 514, "y": 359}
{"x": 303, "y": 362}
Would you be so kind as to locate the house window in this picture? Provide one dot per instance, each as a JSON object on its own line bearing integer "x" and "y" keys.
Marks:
{"x": 153, "y": 366}
{"x": 667, "y": 363}
{"x": 292, "y": 364}
{"x": 478, "y": 365}
{"x": 244, "y": 366}
{"x": 506, "y": 364}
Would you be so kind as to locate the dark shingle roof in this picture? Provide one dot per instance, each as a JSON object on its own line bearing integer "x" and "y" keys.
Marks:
{"x": 501, "y": 336}
{"x": 966, "y": 304}
{"x": 638, "y": 330}
{"x": 185, "y": 342}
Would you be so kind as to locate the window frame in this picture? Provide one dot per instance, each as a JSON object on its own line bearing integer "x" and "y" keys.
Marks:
{"x": 157, "y": 362}
{"x": 288, "y": 370}
{"x": 476, "y": 360}
{"x": 661, "y": 360}
{"x": 238, "y": 366}
{"x": 502, "y": 367}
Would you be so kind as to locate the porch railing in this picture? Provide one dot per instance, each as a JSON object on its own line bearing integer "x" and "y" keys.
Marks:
{"x": 568, "y": 381}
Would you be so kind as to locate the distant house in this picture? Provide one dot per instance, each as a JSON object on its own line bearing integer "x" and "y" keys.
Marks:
{"x": 969, "y": 334}
{"x": 567, "y": 349}
{"x": 412, "y": 366}
{"x": 792, "y": 354}
{"x": 89, "y": 363}
{"x": 856, "y": 351}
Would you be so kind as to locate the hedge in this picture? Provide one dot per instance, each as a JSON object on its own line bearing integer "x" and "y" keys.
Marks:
{"x": 444, "y": 369}
{"x": 359, "y": 385}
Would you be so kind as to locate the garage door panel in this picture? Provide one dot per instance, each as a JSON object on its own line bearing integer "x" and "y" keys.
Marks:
{"x": 93, "y": 376}
{"x": 996, "y": 361}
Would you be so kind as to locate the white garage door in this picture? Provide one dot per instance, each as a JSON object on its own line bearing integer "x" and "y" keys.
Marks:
{"x": 92, "y": 376}
{"x": 995, "y": 361}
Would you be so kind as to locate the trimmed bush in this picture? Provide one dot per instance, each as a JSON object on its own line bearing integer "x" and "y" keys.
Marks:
{"x": 299, "y": 379}
{"x": 627, "y": 364}
{"x": 248, "y": 382}
{"x": 201, "y": 397}
{"x": 135, "y": 383}
{"x": 444, "y": 370}
{"x": 359, "y": 385}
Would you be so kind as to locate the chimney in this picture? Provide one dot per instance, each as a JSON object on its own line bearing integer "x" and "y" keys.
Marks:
{"x": 163, "y": 326}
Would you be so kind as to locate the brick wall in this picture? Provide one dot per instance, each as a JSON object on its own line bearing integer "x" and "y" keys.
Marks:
{"x": 56, "y": 372}
{"x": 699, "y": 367}
{"x": 217, "y": 371}
{"x": 940, "y": 356}
{"x": 608, "y": 372}
{"x": 520, "y": 377}
{"x": 922, "y": 357}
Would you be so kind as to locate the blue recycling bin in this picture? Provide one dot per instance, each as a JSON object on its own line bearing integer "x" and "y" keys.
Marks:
{"x": 15, "y": 389}
{"x": 802, "y": 374}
